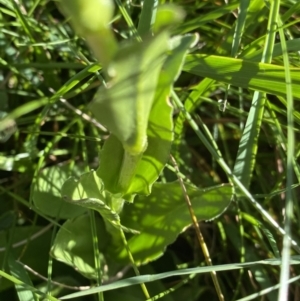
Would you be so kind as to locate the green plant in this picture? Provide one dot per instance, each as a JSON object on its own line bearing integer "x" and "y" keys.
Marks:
{"x": 133, "y": 105}
{"x": 106, "y": 186}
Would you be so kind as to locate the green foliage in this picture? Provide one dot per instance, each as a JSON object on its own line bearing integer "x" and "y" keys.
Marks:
{"x": 73, "y": 244}
{"x": 162, "y": 215}
{"x": 246, "y": 74}
{"x": 85, "y": 18}
{"x": 46, "y": 193}
{"x": 95, "y": 97}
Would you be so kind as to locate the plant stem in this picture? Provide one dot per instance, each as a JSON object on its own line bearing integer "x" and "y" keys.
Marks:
{"x": 128, "y": 169}
{"x": 198, "y": 232}
{"x": 137, "y": 272}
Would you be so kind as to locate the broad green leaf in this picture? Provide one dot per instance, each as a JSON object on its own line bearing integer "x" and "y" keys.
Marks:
{"x": 73, "y": 244}
{"x": 96, "y": 204}
{"x": 124, "y": 106}
{"x": 241, "y": 73}
{"x": 88, "y": 193}
{"x": 160, "y": 126}
{"x": 161, "y": 216}
{"x": 159, "y": 131}
{"x": 88, "y": 185}
{"x": 46, "y": 193}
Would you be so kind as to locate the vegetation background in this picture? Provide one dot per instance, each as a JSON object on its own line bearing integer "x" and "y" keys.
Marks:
{"x": 46, "y": 95}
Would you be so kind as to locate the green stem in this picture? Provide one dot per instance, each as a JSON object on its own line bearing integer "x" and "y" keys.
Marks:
{"x": 128, "y": 170}
{"x": 137, "y": 272}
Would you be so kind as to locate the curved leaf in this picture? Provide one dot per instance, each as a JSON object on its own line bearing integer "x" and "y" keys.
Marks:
{"x": 159, "y": 131}
{"x": 46, "y": 192}
{"x": 88, "y": 185}
{"x": 88, "y": 192}
{"x": 161, "y": 216}
{"x": 160, "y": 125}
{"x": 124, "y": 106}
{"x": 73, "y": 244}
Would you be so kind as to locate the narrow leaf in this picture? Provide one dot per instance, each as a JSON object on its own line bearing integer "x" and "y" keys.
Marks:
{"x": 18, "y": 271}
{"x": 198, "y": 270}
{"x": 242, "y": 73}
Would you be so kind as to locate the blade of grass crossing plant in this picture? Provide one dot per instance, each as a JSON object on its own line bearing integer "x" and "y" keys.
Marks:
{"x": 229, "y": 172}
{"x": 285, "y": 267}
{"x": 136, "y": 270}
{"x": 199, "y": 270}
{"x": 147, "y": 17}
{"x": 199, "y": 235}
{"x": 243, "y": 73}
{"x": 246, "y": 156}
{"x": 292, "y": 46}
{"x": 294, "y": 8}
